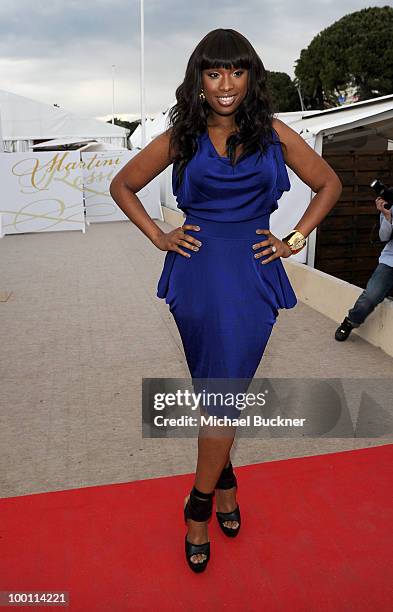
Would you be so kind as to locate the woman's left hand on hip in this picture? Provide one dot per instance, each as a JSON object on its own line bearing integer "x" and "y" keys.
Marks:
{"x": 274, "y": 247}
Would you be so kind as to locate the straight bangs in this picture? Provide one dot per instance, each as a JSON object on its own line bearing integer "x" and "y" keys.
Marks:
{"x": 225, "y": 52}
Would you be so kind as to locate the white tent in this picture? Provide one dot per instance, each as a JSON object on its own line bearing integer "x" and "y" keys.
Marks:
{"x": 361, "y": 126}
{"x": 367, "y": 124}
{"x": 25, "y": 120}
{"x": 153, "y": 128}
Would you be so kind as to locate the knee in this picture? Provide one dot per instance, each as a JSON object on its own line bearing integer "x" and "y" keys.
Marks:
{"x": 372, "y": 298}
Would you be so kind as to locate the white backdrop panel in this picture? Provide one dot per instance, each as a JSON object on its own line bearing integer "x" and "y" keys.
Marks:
{"x": 41, "y": 192}
{"x": 100, "y": 168}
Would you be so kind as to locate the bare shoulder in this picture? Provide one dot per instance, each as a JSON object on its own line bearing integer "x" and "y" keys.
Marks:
{"x": 147, "y": 164}
{"x": 308, "y": 165}
{"x": 285, "y": 133}
{"x": 280, "y": 128}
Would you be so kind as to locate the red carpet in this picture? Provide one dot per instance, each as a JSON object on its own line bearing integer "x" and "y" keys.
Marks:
{"x": 317, "y": 535}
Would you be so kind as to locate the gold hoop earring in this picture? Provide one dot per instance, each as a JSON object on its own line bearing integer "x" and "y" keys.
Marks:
{"x": 202, "y": 96}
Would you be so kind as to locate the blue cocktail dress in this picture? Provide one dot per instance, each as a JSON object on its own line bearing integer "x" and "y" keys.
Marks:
{"x": 224, "y": 301}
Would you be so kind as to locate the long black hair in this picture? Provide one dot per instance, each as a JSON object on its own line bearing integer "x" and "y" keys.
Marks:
{"x": 221, "y": 48}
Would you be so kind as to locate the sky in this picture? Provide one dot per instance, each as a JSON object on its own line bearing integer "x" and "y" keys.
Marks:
{"x": 62, "y": 51}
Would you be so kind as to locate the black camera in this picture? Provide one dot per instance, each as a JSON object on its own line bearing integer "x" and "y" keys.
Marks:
{"x": 386, "y": 193}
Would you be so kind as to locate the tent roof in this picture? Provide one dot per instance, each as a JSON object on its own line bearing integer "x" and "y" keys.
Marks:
{"x": 74, "y": 144}
{"x": 347, "y": 117}
{"x": 26, "y": 119}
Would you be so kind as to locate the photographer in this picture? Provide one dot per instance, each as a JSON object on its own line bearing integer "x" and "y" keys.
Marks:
{"x": 379, "y": 284}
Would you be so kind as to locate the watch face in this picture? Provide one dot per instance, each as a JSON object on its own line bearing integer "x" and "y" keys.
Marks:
{"x": 297, "y": 241}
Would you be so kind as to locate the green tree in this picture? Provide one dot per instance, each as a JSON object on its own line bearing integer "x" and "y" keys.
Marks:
{"x": 355, "y": 51}
{"x": 283, "y": 91}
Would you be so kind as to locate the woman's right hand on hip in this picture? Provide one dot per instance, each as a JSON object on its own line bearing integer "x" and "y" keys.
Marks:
{"x": 170, "y": 241}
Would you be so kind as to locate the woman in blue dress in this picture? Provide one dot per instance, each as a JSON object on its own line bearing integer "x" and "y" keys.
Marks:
{"x": 223, "y": 278}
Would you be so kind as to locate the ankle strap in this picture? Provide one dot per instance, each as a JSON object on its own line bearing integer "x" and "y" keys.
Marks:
{"x": 227, "y": 478}
{"x": 200, "y": 494}
{"x": 199, "y": 506}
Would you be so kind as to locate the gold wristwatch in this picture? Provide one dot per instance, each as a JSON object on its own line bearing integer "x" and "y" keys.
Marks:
{"x": 295, "y": 240}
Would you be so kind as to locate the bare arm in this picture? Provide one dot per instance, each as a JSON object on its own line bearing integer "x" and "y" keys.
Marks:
{"x": 136, "y": 174}
{"x": 313, "y": 170}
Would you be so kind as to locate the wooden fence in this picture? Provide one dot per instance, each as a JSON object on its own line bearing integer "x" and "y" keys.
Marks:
{"x": 348, "y": 244}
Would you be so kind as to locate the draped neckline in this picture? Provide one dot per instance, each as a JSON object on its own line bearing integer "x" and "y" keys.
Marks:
{"x": 215, "y": 152}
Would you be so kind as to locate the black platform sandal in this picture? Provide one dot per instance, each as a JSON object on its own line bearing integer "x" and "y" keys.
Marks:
{"x": 227, "y": 480}
{"x": 198, "y": 508}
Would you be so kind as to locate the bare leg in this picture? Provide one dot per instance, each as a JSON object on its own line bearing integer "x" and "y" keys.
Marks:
{"x": 213, "y": 455}
{"x": 214, "y": 444}
{"x": 225, "y": 498}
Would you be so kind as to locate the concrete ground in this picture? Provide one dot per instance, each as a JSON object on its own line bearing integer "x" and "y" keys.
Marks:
{"x": 80, "y": 329}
